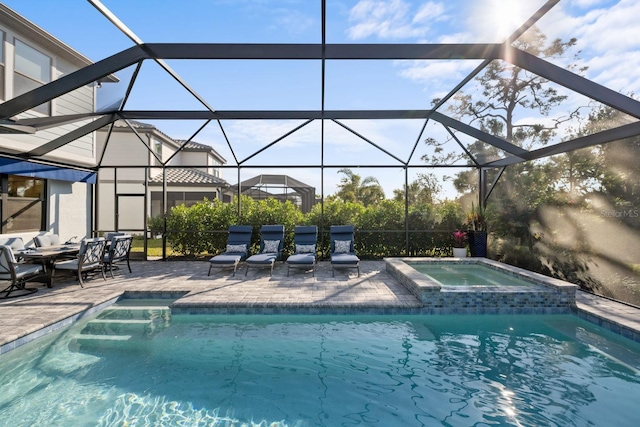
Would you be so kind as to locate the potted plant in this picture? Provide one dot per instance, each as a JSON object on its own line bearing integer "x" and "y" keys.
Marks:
{"x": 459, "y": 244}
{"x": 477, "y": 224}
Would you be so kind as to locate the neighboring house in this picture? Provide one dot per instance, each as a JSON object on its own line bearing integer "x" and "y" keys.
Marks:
{"x": 127, "y": 191}
{"x": 53, "y": 195}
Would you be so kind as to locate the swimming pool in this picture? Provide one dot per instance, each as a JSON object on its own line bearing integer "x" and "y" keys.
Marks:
{"x": 480, "y": 286}
{"x": 321, "y": 371}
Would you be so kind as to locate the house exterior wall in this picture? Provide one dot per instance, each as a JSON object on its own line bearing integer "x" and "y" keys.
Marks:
{"x": 81, "y": 100}
{"x": 67, "y": 205}
{"x": 195, "y": 158}
{"x": 69, "y": 209}
{"x": 125, "y": 148}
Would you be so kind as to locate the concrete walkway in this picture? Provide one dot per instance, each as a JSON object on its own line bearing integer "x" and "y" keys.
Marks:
{"x": 375, "y": 291}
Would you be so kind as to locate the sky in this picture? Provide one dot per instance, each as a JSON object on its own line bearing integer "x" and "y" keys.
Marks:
{"x": 607, "y": 43}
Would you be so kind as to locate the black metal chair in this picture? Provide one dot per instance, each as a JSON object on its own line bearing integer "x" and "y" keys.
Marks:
{"x": 89, "y": 259}
{"x": 119, "y": 250}
{"x": 17, "y": 274}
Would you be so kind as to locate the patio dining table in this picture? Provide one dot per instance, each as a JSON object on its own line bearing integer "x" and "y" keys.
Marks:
{"x": 48, "y": 255}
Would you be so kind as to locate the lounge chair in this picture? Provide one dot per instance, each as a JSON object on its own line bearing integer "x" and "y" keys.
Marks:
{"x": 119, "y": 250}
{"x": 90, "y": 258}
{"x": 342, "y": 251}
{"x": 237, "y": 250}
{"x": 17, "y": 274}
{"x": 305, "y": 238}
{"x": 271, "y": 244}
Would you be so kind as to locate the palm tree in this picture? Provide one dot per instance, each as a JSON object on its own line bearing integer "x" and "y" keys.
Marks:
{"x": 353, "y": 188}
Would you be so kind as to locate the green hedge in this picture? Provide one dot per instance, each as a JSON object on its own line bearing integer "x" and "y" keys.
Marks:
{"x": 380, "y": 230}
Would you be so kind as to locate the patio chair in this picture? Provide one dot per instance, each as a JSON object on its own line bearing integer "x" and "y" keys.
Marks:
{"x": 271, "y": 244}
{"x": 46, "y": 240}
{"x": 305, "y": 239}
{"x": 341, "y": 248}
{"x": 89, "y": 259}
{"x": 16, "y": 244}
{"x": 17, "y": 274}
{"x": 237, "y": 249}
{"x": 108, "y": 235}
{"x": 118, "y": 251}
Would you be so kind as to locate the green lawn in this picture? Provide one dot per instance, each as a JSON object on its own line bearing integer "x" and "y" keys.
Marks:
{"x": 154, "y": 246}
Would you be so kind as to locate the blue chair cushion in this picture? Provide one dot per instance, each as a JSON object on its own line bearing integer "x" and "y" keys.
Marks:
{"x": 304, "y": 259}
{"x": 344, "y": 259}
{"x": 227, "y": 258}
{"x": 266, "y": 259}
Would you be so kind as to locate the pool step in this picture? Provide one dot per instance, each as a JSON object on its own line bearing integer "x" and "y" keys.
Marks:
{"x": 122, "y": 321}
{"x": 91, "y": 337}
{"x": 133, "y": 312}
{"x": 101, "y": 326}
{"x": 117, "y": 325}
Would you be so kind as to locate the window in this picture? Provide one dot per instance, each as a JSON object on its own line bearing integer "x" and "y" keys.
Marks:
{"x": 23, "y": 203}
{"x": 157, "y": 148}
{"x": 32, "y": 70}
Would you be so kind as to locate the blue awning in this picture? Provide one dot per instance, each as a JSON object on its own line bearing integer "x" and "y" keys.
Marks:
{"x": 37, "y": 170}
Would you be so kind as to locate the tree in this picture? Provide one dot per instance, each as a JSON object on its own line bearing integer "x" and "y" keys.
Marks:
{"x": 353, "y": 188}
{"x": 505, "y": 97}
{"x": 421, "y": 192}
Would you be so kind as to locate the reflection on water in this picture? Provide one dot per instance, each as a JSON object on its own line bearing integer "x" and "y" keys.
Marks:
{"x": 322, "y": 371}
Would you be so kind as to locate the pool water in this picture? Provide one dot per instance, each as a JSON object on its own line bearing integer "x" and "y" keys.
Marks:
{"x": 468, "y": 275}
{"x": 140, "y": 366}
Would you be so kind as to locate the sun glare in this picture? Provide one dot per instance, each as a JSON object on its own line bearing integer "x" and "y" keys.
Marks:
{"x": 504, "y": 17}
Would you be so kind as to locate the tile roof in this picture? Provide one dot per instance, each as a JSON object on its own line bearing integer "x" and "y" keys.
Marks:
{"x": 188, "y": 176}
{"x": 192, "y": 145}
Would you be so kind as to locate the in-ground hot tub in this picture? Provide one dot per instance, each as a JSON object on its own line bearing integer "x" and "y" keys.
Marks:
{"x": 480, "y": 285}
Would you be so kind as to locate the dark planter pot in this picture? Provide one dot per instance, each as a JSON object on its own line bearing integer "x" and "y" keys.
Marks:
{"x": 478, "y": 243}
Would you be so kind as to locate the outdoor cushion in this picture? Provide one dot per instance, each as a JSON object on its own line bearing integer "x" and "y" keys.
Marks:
{"x": 15, "y": 243}
{"x": 263, "y": 258}
{"x": 47, "y": 240}
{"x": 302, "y": 258}
{"x": 236, "y": 248}
{"x": 226, "y": 259}
{"x": 305, "y": 249}
{"x": 344, "y": 259}
{"x": 271, "y": 246}
{"x": 343, "y": 246}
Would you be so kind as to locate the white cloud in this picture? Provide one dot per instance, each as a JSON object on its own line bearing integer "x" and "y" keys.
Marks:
{"x": 607, "y": 38}
{"x": 435, "y": 73}
{"x": 294, "y": 22}
{"x": 393, "y": 19}
{"x": 586, "y": 3}
{"x": 428, "y": 12}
